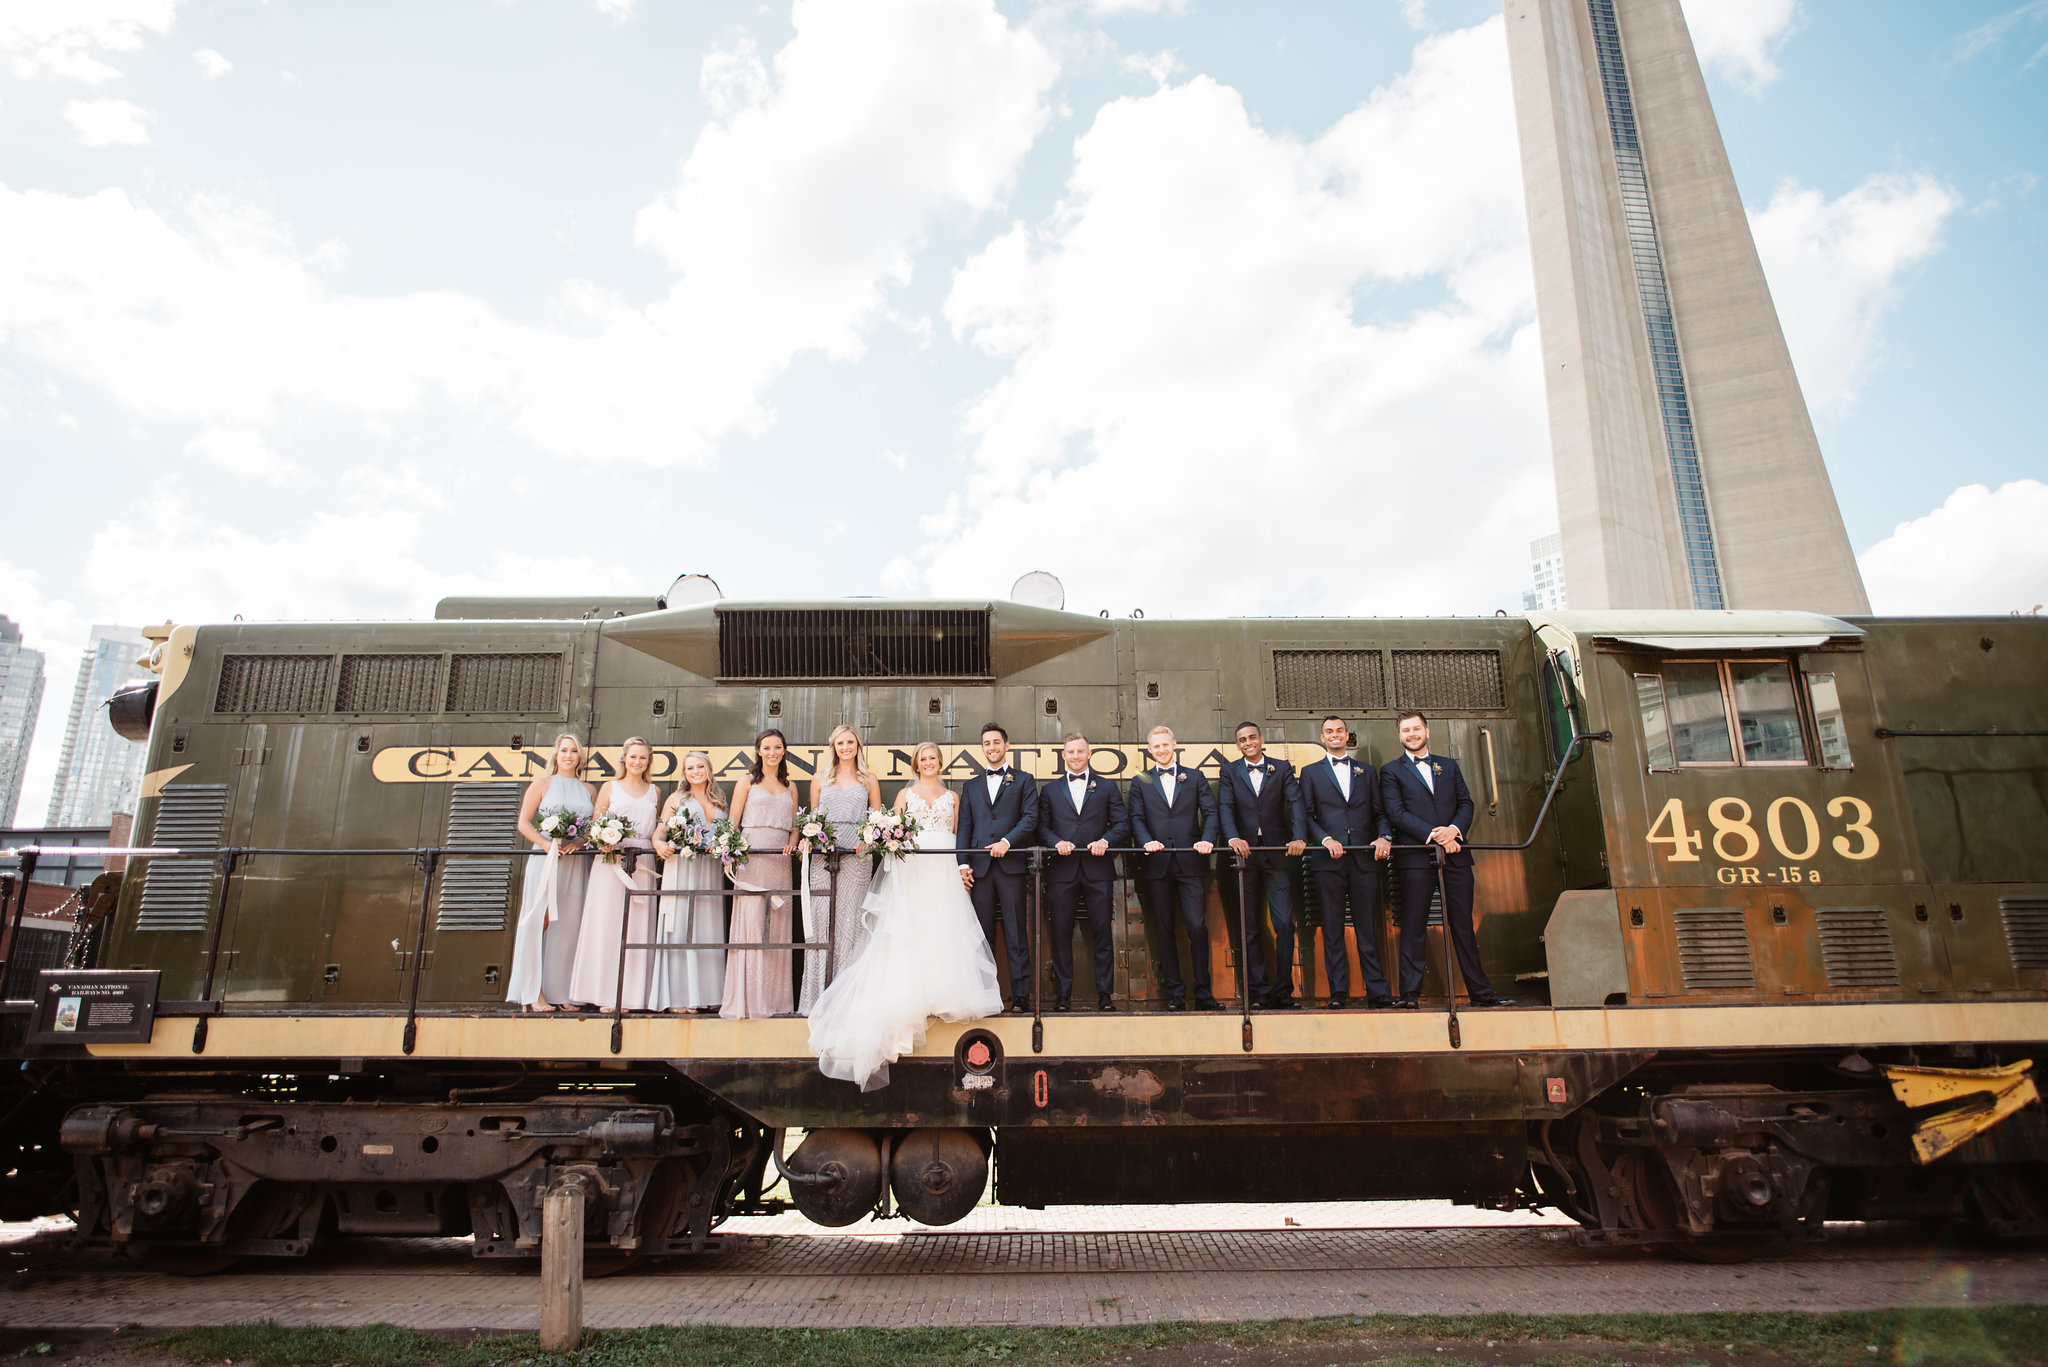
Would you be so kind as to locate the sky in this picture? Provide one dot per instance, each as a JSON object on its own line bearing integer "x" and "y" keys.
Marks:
{"x": 327, "y": 311}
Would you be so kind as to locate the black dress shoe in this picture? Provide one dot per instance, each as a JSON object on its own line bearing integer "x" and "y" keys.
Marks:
{"x": 1279, "y": 1003}
{"x": 1172, "y": 1004}
{"x": 1062, "y": 1005}
{"x": 1338, "y": 1003}
{"x": 1020, "y": 1006}
{"x": 1493, "y": 999}
{"x": 1207, "y": 1004}
{"x": 1380, "y": 1003}
{"x": 1104, "y": 1002}
{"x": 1406, "y": 1002}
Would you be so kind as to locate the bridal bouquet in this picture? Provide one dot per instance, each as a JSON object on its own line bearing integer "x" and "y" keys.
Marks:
{"x": 815, "y": 832}
{"x": 728, "y": 844}
{"x": 609, "y": 834}
{"x": 893, "y": 833}
{"x": 690, "y": 837}
{"x": 564, "y": 825}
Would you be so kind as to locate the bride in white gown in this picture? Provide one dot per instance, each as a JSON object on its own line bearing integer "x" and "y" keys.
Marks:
{"x": 926, "y": 956}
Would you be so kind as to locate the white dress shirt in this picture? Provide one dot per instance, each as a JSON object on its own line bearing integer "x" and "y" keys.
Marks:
{"x": 1255, "y": 775}
{"x": 1077, "y": 789}
{"x": 995, "y": 782}
{"x": 1421, "y": 763}
{"x": 1342, "y": 772}
{"x": 1166, "y": 783}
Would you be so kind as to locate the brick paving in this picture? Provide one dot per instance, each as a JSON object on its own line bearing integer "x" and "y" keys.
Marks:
{"x": 1104, "y": 1267}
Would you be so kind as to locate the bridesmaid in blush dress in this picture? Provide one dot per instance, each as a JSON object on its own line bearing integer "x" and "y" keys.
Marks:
{"x": 757, "y": 981}
{"x": 544, "y": 951}
{"x": 847, "y": 794}
{"x": 690, "y": 979}
{"x": 596, "y": 976}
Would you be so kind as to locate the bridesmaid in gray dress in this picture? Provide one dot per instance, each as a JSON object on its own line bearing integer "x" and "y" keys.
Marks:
{"x": 544, "y": 952}
{"x": 846, "y": 795}
{"x": 758, "y": 981}
{"x": 690, "y": 979}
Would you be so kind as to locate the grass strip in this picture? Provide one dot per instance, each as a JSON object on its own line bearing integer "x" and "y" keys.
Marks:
{"x": 1989, "y": 1337}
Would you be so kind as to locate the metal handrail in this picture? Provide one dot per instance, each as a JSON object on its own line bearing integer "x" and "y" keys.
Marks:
{"x": 428, "y": 858}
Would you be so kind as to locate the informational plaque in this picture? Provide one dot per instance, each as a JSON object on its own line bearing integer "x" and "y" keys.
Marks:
{"x": 95, "y": 1005}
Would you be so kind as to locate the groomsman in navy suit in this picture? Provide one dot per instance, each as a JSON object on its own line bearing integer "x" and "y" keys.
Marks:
{"x": 1342, "y": 796}
{"x": 1427, "y": 802}
{"x": 1082, "y": 815}
{"x": 1259, "y": 800}
{"x": 999, "y": 812}
{"x": 1173, "y": 809}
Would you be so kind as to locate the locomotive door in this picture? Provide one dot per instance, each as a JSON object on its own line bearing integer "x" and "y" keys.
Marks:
{"x": 317, "y": 928}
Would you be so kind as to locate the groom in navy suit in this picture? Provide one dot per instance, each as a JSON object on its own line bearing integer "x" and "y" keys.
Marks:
{"x": 1081, "y": 814}
{"x": 1343, "y": 800}
{"x": 1173, "y": 809}
{"x": 1259, "y": 800}
{"x": 999, "y": 812}
{"x": 1428, "y": 803}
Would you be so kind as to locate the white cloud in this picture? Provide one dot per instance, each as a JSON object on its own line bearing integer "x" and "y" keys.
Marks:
{"x": 1332, "y": 341}
{"x": 1993, "y": 31}
{"x": 894, "y": 460}
{"x": 242, "y": 452}
{"x": 806, "y": 198}
{"x": 618, "y": 11}
{"x": 1110, "y": 9}
{"x": 1835, "y": 267}
{"x": 1741, "y": 38}
{"x": 799, "y": 208}
{"x": 1980, "y": 552}
{"x": 212, "y": 66}
{"x": 359, "y": 558}
{"x": 109, "y": 123}
{"x": 60, "y": 37}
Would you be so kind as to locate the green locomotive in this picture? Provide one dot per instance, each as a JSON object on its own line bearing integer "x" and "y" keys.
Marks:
{"x": 1771, "y": 886}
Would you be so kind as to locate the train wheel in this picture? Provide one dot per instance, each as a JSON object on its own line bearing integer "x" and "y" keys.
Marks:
{"x": 653, "y": 1220}
{"x": 1654, "y": 1197}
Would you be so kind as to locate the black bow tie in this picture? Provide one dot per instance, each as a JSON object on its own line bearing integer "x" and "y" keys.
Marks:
{"x": 997, "y": 773}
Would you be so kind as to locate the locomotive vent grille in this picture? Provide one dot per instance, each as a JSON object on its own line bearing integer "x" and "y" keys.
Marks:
{"x": 505, "y": 683}
{"x": 1449, "y": 680}
{"x": 177, "y": 894}
{"x": 1713, "y": 947}
{"x": 1856, "y": 946}
{"x": 1305, "y": 680}
{"x": 855, "y": 643}
{"x": 273, "y": 683}
{"x": 474, "y": 893}
{"x": 388, "y": 683}
{"x": 2026, "y": 930}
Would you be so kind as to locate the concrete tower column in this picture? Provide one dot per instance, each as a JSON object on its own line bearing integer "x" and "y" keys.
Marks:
{"x": 1688, "y": 473}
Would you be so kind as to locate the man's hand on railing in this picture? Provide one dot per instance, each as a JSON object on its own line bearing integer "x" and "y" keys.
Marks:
{"x": 1382, "y": 848}
{"x": 1241, "y": 848}
{"x": 1099, "y": 847}
{"x": 999, "y": 849}
{"x": 1334, "y": 846}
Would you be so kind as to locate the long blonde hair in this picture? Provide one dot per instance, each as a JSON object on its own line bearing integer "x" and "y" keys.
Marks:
{"x": 555, "y": 755}
{"x": 918, "y": 754}
{"x": 831, "y": 757}
{"x": 710, "y": 783}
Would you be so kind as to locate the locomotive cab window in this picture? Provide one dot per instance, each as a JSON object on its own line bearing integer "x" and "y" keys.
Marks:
{"x": 1698, "y": 713}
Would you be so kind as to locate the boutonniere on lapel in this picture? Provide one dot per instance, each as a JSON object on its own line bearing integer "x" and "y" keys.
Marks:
{"x": 1266, "y": 768}
{"x": 1436, "y": 769}
{"x": 1008, "y": 777}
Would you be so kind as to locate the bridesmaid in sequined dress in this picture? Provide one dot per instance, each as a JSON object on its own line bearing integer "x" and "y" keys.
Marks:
{"x": 758, "y": 981}
{"x": 846, "y": 795}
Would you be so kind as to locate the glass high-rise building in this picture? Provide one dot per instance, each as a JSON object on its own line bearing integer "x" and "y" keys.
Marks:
{"x": 98, "y": 772}
{"x": 21, "y": 693}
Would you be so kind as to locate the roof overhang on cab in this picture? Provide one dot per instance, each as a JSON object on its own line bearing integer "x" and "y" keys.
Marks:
{"x": 1681, "y": 630}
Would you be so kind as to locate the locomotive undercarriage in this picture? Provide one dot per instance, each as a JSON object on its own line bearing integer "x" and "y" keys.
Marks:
{"x": 1661, "y": 1150}
{"x": 1714, "y": 1169}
